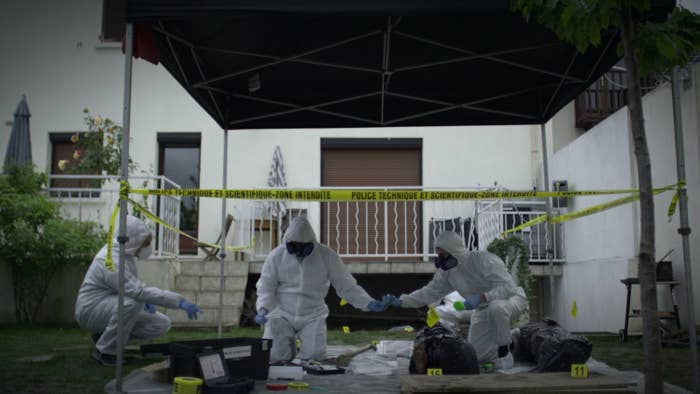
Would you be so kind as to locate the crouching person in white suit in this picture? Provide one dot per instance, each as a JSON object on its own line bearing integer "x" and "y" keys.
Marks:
{"x": 291, "y": 290}
{"x": 96, "y": 306}
{"x": 488, "y": 289}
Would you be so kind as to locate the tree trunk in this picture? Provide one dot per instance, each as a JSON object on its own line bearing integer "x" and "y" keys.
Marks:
{"x": 44, "y": 282}
{"x": 17, "y": 296}
{"x": 653, "y": 382}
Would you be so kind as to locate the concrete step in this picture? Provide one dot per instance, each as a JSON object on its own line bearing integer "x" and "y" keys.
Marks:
{"x": 211, "y": 298}
{"x": 213, "y": 268}
{"x": 209, "y": 318}
{"x": 209, "y": 283}
{"x": 199, "y": 282}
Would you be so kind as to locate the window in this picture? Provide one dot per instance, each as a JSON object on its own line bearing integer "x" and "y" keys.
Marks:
{"x": 364, "y": 228}
{"x": 113, "y": 21}
{"x": 179, "y": 155}
{"x": 63, "y": 149}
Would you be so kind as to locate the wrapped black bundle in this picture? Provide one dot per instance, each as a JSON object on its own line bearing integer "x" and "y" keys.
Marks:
{"x": 441, "y": 347}
{"x": 553, "y": 348}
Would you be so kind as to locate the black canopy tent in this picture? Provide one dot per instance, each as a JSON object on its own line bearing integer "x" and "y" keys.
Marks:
{"x": 343, "y": 63}
{"x": 260, "y": 64}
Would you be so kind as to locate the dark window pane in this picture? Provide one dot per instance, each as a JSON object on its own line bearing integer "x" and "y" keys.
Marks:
{"x": 180, "y": 164}
{"x": 113, "y": 22}
{"x": 63, "y": 149}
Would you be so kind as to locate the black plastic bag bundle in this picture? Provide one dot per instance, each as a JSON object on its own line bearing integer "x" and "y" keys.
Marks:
{"x": 553, "y": 348}
{"x": 441, "y": 347}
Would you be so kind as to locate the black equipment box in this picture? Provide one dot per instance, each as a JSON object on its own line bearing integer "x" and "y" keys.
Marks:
{"x": 245, "y": 357}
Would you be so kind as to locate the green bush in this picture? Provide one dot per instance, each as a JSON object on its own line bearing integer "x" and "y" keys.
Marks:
{"x": 36, "y": 241}
{"x": 514, "y": 252}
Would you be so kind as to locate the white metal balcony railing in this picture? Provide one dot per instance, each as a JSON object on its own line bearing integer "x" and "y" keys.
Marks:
{"x": 365, "y": 229}
{"x": 399, "y": 230}
{"x": 97, "y": 203}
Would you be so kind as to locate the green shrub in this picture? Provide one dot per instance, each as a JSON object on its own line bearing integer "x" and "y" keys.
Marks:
{"x": 514, "y": 252}
{"x": 35, "y": 241}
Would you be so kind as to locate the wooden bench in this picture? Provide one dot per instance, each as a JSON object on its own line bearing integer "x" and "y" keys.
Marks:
{"x": 522, "y": 383}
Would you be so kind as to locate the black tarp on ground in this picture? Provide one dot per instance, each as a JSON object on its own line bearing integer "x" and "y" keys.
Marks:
{"x": 309, "y": 64}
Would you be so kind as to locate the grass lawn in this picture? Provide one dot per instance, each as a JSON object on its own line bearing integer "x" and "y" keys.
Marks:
{"x": 630, "y": 356}
{"x": 73, "y": 371}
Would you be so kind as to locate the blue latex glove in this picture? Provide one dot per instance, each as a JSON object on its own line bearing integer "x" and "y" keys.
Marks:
{"x": 191, "y": 309}
{"x": 376, "y": 306}
{"x": 472, "y": 302}
{"x": 261, "y": 317}
{"x": 391, "y": 300}
{"x": 150, "y": 308}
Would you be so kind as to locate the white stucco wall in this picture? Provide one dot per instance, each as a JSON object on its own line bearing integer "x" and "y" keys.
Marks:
{"x": 452, "y": 156}
{"x": 59, "y": 63}
{"x": 601, "y": 249}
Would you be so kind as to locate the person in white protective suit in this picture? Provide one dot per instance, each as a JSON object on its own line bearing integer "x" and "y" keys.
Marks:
{"x": 488, "y": 289}
{"x": 293, "y": 284}
{"x": 96, "y": 306}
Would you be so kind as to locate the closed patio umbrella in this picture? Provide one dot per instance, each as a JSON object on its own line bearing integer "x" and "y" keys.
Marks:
{"x": 277, "y": 178}
{"x": 19, "y": 148}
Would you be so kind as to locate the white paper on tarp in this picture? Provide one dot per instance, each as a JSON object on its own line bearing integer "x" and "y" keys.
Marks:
{"x": 398, "y": 348}
{"x": 374, "y": 364}
{"x": 449, "y": 314}
{"x": 285, "y": 372}
{"x": 518, "y": 367}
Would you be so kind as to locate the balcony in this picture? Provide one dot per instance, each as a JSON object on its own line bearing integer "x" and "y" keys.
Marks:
{"x": 404, "y": 231}
{"x": 94, "y": 197}
{"x": 605, "y": 96}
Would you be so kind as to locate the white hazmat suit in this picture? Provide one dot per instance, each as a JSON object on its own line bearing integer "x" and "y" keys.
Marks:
{"x": 293, "y": 289}
{"x": 477, "y": 272}
{"x": 96, "y": 306}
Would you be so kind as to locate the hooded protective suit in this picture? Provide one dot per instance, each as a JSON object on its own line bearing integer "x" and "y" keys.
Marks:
{"x": 96, "y": 306}
{"x": 293, "y": 290}
{"x": 477, "y": 272}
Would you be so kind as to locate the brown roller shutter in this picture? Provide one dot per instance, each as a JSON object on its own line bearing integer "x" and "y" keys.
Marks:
{"x": 361, "y": 229}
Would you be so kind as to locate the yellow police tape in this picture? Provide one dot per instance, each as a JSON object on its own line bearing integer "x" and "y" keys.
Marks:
{"x": 390, "y": 195}
{"x": 109, "y": 261}
{"x": 601, "y": 207}
{"x": 187, "y": 385}
{"x": 370, "y": 194}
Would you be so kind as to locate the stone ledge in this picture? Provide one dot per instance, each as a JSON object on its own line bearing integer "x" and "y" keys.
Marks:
{"x": 187, "y": 282}
{"x": 212, "y": 283}
{"x": 544, "y": 270}
{"x": 210, "y": 299}
{"x": 208, "y": 318}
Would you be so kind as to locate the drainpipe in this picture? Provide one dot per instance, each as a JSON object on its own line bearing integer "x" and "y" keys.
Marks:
{"x": 684, "y": 229}
{"x": 122, "y": 238}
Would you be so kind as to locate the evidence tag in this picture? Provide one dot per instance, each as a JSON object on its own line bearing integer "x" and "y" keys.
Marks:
{"x": 433, "y": 316}
{"x": 434, "y": 371}
{"x": 579, "y": 370}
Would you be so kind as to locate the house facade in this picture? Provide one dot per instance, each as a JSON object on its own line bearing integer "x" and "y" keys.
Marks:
{"x": 601, "y": 249}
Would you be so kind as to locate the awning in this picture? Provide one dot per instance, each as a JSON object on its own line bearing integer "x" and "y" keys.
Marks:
{"x": 347, "y": 63}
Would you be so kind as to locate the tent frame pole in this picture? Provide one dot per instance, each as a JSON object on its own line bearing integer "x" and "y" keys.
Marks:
{"x": 122, "y": 237}
{"x": 222, "y": 251}
{"x": 548, "y": 224}
{"x": 684, "y": 229}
